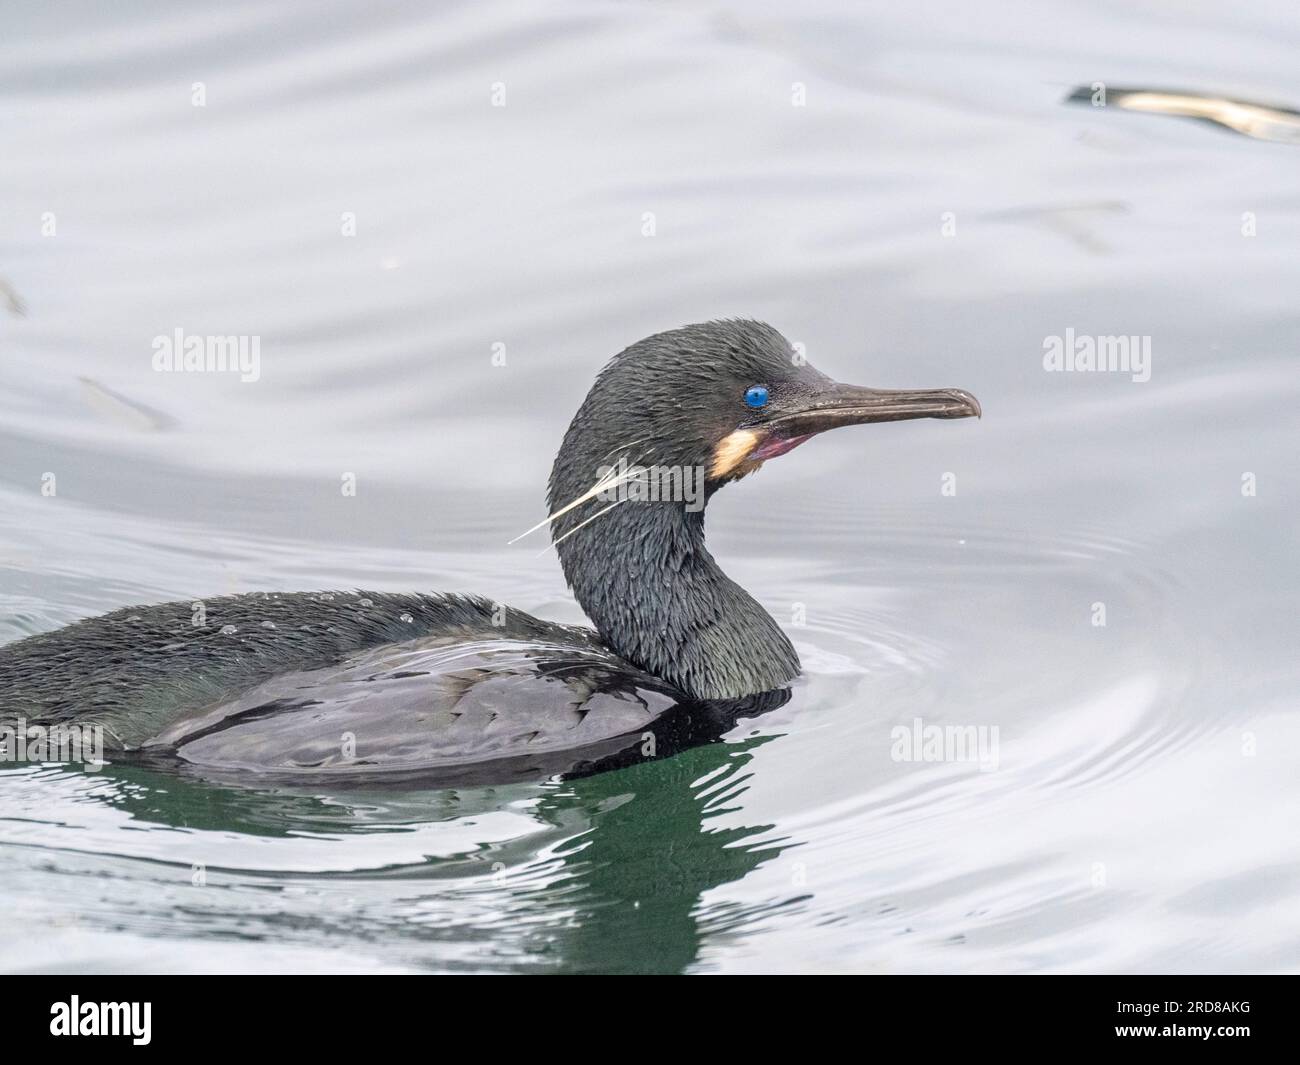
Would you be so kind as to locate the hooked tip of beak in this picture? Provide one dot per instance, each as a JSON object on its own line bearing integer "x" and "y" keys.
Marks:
{"x": 973, "y": 407}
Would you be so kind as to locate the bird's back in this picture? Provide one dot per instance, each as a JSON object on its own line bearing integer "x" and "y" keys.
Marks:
{"x": 354, "y": 688}
{"x": 135, "y": 669}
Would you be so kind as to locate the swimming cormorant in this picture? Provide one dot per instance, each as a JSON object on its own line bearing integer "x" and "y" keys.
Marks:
{"x": 440, "y": 688}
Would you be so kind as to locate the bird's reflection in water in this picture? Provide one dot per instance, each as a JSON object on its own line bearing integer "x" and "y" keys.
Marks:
{"x": 609, "y": 880}
{"x": 641, "y": 869}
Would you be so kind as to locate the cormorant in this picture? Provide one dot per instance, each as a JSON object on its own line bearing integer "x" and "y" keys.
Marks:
{"x": 441, "y": 688}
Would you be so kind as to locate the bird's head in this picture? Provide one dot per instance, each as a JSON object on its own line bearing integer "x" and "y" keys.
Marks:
{"x": 714, "y": 402}
{"x": 667, "y": 423}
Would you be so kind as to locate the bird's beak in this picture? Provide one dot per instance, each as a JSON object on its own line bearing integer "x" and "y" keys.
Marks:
{"x": 749, "y": 447}
{"x": 839, "y": 404}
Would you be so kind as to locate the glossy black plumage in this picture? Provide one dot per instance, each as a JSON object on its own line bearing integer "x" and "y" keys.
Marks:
{"x": 364, "y": 686}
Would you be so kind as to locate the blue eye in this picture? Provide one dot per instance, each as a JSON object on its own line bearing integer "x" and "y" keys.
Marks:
{"x": 756, "y": 397}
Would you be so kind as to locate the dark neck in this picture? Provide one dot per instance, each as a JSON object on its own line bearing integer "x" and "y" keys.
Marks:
{"x": 645, "y": 578}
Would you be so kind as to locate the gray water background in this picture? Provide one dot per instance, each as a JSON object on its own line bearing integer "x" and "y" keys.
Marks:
{"x": 1143, "y": 812}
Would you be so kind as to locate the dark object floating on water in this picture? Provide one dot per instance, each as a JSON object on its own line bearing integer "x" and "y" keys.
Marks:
{"x": 360, "y": 687}
{"x": 1261, "y": 121}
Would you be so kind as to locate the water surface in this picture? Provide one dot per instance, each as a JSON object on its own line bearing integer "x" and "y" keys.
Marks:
{"x": 928, "y": 217}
